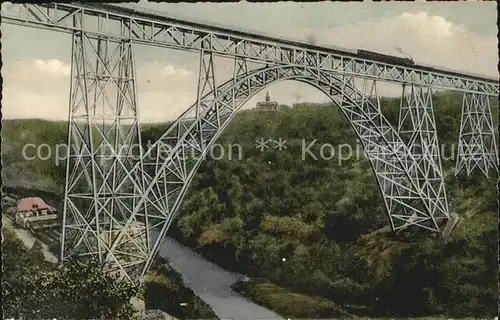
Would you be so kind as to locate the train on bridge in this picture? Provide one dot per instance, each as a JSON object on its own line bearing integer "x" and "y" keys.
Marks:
{"x": 359, "y": 53}
{"x": 385, "y": 58}
{"x": 158, "y": 15}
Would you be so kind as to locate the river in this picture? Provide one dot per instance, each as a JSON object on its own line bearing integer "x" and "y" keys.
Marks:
{"x": 212, "y": 283}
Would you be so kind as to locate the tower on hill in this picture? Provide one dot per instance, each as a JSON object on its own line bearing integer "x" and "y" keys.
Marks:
{"x": 268, "y": 105}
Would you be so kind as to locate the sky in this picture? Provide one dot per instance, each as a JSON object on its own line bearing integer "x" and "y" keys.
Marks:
{"x": 461, "y": 36}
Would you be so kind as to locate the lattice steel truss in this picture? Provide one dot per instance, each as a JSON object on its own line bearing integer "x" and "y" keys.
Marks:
{"x": 417, "y": 129}
{"x": 171, "y": 163}
{"x": 476, "y": 146}
{"x": 173, "y": 160}
{"x": 120, "y": 202}
{"x": 157, "y": 29}
{"x": 103, "y": 140}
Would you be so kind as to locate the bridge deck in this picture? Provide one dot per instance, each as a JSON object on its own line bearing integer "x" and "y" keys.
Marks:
{"x": 149, "y": 28}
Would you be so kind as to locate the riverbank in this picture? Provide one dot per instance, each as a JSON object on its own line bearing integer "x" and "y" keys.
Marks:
{"x": 162, "y": 281}
{"x": 287, "y": 303}
{"x": 51, "y": 251}
{"x": 212, "y": 283}
{"x": 291, "y": 304}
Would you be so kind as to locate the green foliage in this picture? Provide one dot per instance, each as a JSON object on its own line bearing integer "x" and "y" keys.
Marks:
{"x": 93, "y": 292}
{"x": 327, "y": 220}
{"x": 37, "y": 173}
{"x": 165, "y": 290}
{"x": 290, "y": 304}
{"x": 34, "y": 289}
{"x": 288, "y": 227}
{"x": 17, "y": 262}
{"x": 455, "y": 280}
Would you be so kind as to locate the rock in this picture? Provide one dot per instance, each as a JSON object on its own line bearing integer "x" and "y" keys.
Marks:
{"x": 450, "y": 226}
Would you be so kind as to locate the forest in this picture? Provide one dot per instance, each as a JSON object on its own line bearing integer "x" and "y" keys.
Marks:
{"x": 33, "y": 288}
{"x": 320, "y": 228}
{"x": 317, "y": 227}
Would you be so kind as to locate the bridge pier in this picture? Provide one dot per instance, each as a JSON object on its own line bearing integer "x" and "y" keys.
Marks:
{"x": 206, "y": 91}
{"x": 477, "y": 148}
{"x": 407, "y": 165}
{"x": 103, "y": 134}
{"x": 417, "y": 129}
{"x": 186, "y": 141}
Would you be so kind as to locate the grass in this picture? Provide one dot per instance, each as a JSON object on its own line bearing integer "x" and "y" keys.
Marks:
{"x": 165, "y": 290}
{"x": 421, "y": 318}
{"x": 379, "y": 248}
{"x": 471, "y": 226}
{"x": 288, "y": 303}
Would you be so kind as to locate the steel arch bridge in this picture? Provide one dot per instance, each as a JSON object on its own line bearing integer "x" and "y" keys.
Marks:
{"x": 119, "y": 202}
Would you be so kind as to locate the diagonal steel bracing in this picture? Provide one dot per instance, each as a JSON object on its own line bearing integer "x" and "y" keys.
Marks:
{"x": 417, "y": 129}
{"x": 181, "y": 152}
{"x": 162, "y": 30}
{"x": 103, "y": 141}
{"x": 206, "y": 91}
{"x": 476, "y": 146}
{"x": 168, "y": 168}
{"x": 161, "y": 179}
{"x": 114, "y": 203}
{"x": 393, "y": 183}
{"x": 407, "y": 200}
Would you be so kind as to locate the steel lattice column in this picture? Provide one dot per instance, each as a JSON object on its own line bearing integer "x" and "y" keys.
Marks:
{"x": 206, "y": 92}
{"x": 164, "y": 192}
{"x": 394, "y": 184}
{"x": 103, "y": 141}
{"x": 417, "y": 128}
{"x": 476, "y": 146}
{"x": 169, "y": 176}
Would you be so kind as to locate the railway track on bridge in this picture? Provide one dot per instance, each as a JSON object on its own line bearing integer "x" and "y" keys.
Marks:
{"x": 113, "y": 221}
{"x": 160, "y": 29}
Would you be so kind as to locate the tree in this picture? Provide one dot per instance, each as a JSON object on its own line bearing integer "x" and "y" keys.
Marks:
{"x": 76, "y": 290}
{"x": 34, "y": 289}
{"x": 93, "y": 292}
{"x": 36, "y": 253}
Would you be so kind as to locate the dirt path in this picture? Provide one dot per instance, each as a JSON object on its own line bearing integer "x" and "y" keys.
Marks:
{"x": 28, "y": 239}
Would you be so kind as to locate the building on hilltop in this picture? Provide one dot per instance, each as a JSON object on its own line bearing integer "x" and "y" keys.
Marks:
{"x": 268, "y": 105}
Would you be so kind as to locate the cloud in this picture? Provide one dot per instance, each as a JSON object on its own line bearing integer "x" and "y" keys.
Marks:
{"x": 21, "y": 103}
{"x": 40, "y": 88}
{"x": 430, "y": 40}
{"x": 170, "y": 70}
{"x": 53, "y": 66}
{"x": 433, "y": 25}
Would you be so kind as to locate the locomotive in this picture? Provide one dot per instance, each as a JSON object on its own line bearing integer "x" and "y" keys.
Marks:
{"x": 146, "y": 13}
{"x": 385, "y": 58}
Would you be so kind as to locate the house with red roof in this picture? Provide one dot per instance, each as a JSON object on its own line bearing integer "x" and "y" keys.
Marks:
{"x": 34, "y": 209}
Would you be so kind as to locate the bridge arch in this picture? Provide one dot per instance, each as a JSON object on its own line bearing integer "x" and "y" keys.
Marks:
{"x": 408, "y": 197}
